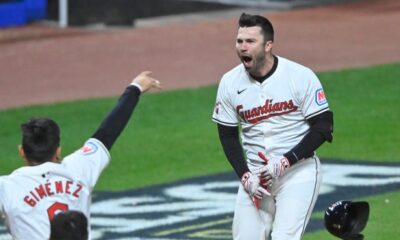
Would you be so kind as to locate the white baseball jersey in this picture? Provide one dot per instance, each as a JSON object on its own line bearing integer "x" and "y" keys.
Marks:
{"x": 31, "y": 195}
{"x": 272, "y": 114}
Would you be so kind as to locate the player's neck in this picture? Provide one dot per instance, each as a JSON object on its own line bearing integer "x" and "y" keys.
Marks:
{"x": 54, "y": 159}
{"x": 270, "y": 67}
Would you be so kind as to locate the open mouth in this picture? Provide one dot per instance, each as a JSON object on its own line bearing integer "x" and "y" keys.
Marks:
{"x": 247, "y": 60}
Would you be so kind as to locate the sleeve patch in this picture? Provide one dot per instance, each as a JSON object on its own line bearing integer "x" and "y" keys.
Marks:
{"x": 89, "y": 148}
{"x": 320, "y": 98}
{"x": 216, "y": 108}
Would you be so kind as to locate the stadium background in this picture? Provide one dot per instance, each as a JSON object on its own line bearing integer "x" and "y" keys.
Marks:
{"x": 43, "y": 64}
{"x": 101, "y": 60}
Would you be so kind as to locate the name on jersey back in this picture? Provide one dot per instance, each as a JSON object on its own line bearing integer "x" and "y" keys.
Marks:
{"x": 51, "y": 188}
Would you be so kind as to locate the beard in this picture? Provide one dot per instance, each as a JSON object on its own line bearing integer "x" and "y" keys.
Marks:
{"x": 258, "y": 64}
{"x": 257, "y": 61}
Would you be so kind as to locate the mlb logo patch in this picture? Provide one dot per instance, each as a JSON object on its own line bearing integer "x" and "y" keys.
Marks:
{"x": 320, "y": 98}
{"x": 89, "y": 148}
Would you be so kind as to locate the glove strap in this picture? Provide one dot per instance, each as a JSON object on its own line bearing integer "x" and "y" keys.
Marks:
{"x": 285, "y": 163}
{"x": 245, "y": 177}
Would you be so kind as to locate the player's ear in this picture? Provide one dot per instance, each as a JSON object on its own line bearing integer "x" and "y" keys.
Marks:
{"x": 268, "y": 46}
{"x": 22, "y": 152}
{"x": 58, "y": 154}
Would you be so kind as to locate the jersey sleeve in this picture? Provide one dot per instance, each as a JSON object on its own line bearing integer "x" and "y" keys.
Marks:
{"x": 89, "y": 161}
{"x": 224, "y": 111}
{"x": 311, "y": 95}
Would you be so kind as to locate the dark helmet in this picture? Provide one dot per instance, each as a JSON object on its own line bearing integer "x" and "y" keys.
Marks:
{"x": 346, "y": 219}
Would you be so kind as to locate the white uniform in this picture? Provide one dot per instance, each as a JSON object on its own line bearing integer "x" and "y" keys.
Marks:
{"x": 272, "y": 116}
{"x": 31, "y": 195}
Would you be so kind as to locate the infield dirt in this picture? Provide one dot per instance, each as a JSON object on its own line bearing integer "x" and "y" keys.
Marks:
{"x": 45, "y": 64}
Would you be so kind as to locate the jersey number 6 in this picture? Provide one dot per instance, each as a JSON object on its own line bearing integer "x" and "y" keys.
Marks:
{"x": 55, "y": 208}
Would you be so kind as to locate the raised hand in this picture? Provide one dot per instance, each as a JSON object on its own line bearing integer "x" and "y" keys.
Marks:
{"x": 144, "y": 82}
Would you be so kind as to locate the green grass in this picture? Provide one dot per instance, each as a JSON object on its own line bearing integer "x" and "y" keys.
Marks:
{"x": 366, "y": 113}
{"x": 171, "y": 135}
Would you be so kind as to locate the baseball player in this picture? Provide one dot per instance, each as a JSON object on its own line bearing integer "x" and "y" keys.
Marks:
{"x": 283, "y": 116}
{"x": 32, "y": 195}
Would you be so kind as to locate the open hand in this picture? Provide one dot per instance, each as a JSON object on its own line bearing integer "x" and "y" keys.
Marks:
{"x": 146, "y": 82}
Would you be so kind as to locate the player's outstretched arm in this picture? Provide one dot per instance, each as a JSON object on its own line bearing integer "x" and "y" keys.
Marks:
{"x": 115, "y": 122}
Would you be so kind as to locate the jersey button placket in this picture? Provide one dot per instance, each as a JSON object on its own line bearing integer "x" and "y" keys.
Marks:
{"x": 263, "y": 98}
{"x": 261, "y": 95}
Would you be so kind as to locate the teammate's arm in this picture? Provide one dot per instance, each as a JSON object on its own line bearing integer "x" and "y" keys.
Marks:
{"x": 321, "y": 130}
{"x": 115, "y": 122}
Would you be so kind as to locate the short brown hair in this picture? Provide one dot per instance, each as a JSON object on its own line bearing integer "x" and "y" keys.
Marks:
{"x": 247, "y": 20}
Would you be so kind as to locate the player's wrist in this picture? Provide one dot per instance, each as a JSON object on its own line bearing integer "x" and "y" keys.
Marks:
{"x": 291, "y": 157}
{"x": 137, "y": 85}
{"x": 245, "y": 177}
{"x": 285, "y": 163}
{"x": 250, "y": 182}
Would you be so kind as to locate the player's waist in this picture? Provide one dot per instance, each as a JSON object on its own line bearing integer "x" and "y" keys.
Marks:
{"x": 255, "y": 163}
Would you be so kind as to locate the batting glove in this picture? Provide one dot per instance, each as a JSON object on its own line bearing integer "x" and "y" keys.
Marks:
{"x": 273, "y": 168}
{"x": 251, "y": 184}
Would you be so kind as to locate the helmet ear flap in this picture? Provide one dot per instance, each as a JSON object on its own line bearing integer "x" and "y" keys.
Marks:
{"x": 359, "y": 213}
{"x": 346, "y": 219}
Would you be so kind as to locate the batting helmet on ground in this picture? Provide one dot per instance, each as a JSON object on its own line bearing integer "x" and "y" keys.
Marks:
{"x": 346, "y": 219}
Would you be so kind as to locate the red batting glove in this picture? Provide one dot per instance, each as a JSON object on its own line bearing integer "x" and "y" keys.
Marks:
{"x": 276, "y": 168}
{"x": 252, "y": 186}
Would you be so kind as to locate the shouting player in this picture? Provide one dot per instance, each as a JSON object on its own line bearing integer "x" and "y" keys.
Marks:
{"x": 32, "y": 195}
{"x": 283, "y": 116}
